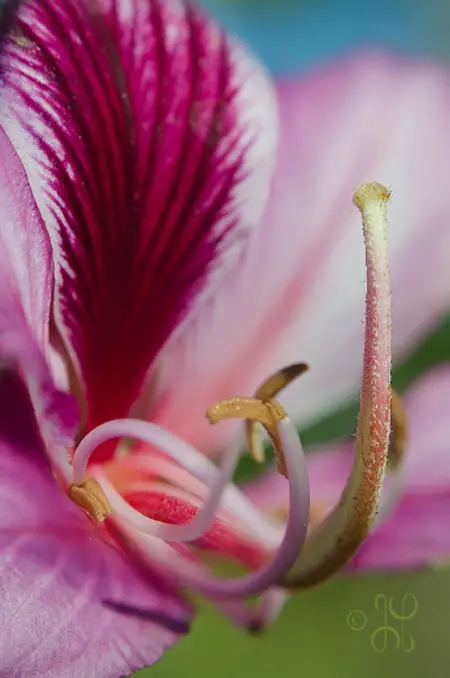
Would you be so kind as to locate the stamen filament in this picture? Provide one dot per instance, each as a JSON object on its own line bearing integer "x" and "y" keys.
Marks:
{"x": 336, "y": 539}
{"x": 184, "y": 573}
{"x": 192, "y": 576}
{"x": 176, "y": 449}
{"x": 180, "y": 452}
{"x": 296, "y": 528}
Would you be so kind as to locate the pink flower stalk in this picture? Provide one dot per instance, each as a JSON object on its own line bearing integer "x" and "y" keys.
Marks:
{"x": 411, "y": 533}
{"x": 137, "y": 143}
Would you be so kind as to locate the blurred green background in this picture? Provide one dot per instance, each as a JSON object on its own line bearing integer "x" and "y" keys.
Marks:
{"x": 314, "y": 636}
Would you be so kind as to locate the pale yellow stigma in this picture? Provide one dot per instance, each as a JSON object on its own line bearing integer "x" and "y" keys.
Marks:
{"x": 372, "y": 200}
{"x": 370, "y": 192}
{"x": 333, "y": 542}
{"x": 90, "y": 497}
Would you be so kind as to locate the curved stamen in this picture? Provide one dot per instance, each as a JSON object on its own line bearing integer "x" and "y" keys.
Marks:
{"x": 174, "y": 448}
{"x": 296, "y": 528}
{"x": 186, "y": 573}
{"x": 190, "y": 575}
{"x": 185, "y": 455}
{"x": 335, "y": 540}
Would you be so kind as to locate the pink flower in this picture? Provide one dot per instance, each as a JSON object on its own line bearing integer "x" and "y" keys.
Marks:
{"x": 140, "y": 287}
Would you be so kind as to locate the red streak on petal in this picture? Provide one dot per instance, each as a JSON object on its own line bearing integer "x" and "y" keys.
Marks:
{"x": 130, "y": 121}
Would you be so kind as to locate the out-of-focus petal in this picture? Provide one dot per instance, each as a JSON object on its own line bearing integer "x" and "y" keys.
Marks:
{"x": 299, "y": 295}
{"x": 25, "y": 294}
{"x": 414, "y": 533}
{"x": 25, "y": 255}
{"x": 70, "y": 604}
{"x": 148, "y": 138}
{"x": 413, "y": 536}
{"x": 427, "y": 407}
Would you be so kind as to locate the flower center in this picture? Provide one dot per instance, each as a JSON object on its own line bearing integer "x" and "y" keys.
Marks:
{"x": 298, "y": 561}
{"x": 99, "y": 497}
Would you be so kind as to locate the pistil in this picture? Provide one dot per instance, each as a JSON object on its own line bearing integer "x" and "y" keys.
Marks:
{"x": 334, "y": 541}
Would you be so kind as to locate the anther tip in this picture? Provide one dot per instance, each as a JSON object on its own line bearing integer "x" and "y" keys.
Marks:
{"x": 89, "y": 496}
{"x": 213, "y": 413}
{"x": 370, "y": 192}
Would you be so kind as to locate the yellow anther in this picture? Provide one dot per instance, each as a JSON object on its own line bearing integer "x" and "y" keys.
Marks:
{"x": 89, "y": 495}
{"x": 267, "y": 390}
{"x": 272, "y": 386}
{"x": 267, "y": 413}
{"x": 397, "y": 441}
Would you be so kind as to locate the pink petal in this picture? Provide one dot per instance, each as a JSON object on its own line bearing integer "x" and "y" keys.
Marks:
{"x": 393, "y": 125}
{"x": 300, "y": 294}
{"x": 148, "y": 139}
{"x": 70, "y": 604}
{"x": 25, "y": 294}
{"x": 25, "y": 252}
{"x": 415, "y": 535}
{"x": 427, "y": 405}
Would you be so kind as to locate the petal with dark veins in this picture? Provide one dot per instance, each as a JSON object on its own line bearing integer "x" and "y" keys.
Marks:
{"x": 25, "y": 296}
{"x": 148, "y": 138}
